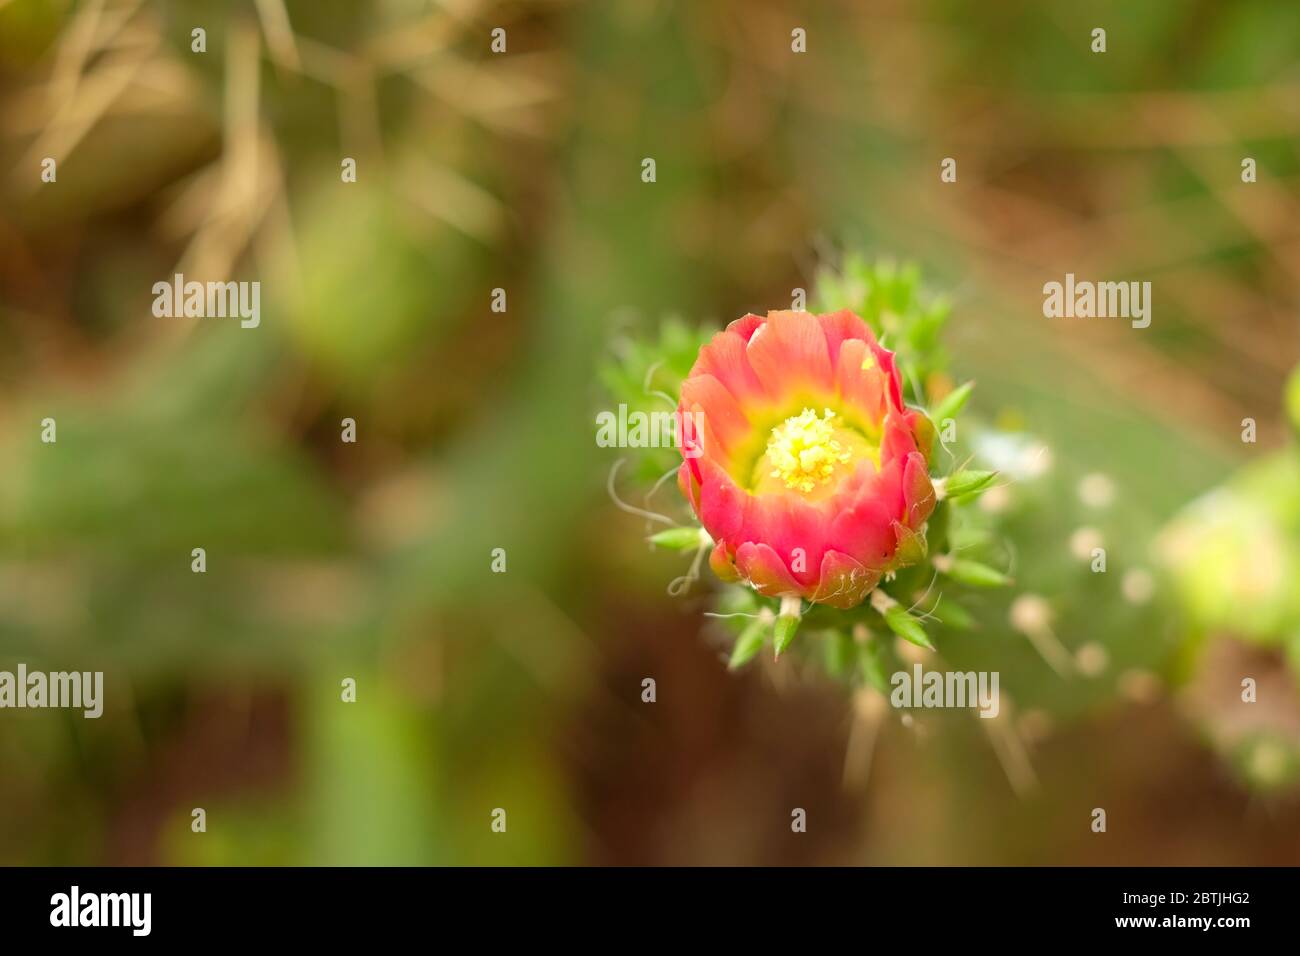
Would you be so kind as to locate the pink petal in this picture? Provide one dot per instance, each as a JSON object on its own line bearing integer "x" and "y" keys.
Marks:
{"x": 722, "y": 506}
{"x": 688, "y": 480}
{"x": 896, "y": 441}
{"x": 843, "y": 582}
{"x": 918, "y": 491}
{"x": 722, "y": 413}
{"x": 862, "y": 389}
{"x": 796, "y": 529}
{"x": 725, "y": 358}
{"x": 885, "y": 359}
{"x": 762, "y": 567}
{"x": 842, "y": 326}
{"x": 722, "y": 564}
{"x": 746, "y": 325}
{"x": 865, "y": 533}
{"x": 789, "y": 355}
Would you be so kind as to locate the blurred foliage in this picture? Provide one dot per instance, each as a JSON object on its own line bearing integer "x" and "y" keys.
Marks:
{"x": 889, "y": 298}
{"x": 1236, "y": 553}
{"x": 646, "y": 376}
{"x": 1234, "y": 556}
{"x": 415, "y": 278}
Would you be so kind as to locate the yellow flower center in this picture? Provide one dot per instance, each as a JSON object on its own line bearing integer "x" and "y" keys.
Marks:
{"x": 803, "y": 450}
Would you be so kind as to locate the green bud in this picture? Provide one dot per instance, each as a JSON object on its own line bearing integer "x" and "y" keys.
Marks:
{"x": 962, "y": 485}
{"x": 954, "y": 615}
{"x": 681, "y": 539}
{"x": 952, "y": 403}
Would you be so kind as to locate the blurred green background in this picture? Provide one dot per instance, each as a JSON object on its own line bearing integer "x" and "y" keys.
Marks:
{"x": 521, "y": 171}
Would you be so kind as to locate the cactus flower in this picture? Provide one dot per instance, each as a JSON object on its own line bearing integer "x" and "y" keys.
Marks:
{"x": 801, "y": 460}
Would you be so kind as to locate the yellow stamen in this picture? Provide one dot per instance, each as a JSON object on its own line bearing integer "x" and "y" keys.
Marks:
{"x": 803, "y": 451}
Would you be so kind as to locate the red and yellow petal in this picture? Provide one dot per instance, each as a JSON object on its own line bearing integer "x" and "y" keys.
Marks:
{"x": 830, "y": 542}
{"x": 725, "y": 358}
{"x": 865, "y": 533}
{"x": 860, "y": 382}
{"x": 789, "y": 355}
{"x": 721, "y": 563}
{"x": 722, "y": 416}
{"x": 843, "y": 326}
{"x": 720, "y": 504}
{"x": 795, "y": 530}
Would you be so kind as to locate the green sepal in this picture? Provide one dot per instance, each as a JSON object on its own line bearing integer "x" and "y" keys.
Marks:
{"x": 786, "y": 628}
{"x": 911, "y": 545}
{"x": 976, "y": 575}
{"x": 907, "y": 627}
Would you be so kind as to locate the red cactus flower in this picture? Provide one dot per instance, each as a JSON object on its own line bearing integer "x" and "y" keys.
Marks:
{"x": 800, "y": 458}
